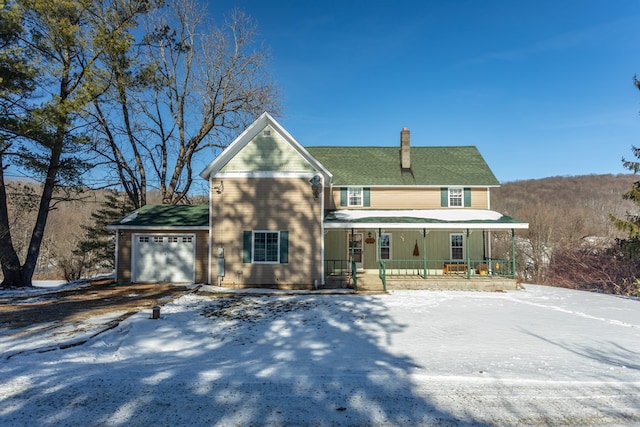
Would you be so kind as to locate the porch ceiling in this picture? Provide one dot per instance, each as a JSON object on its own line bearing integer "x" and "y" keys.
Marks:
{"x": 426, "y": 218}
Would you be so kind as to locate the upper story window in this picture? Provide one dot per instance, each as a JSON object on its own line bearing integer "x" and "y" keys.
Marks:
{"x": 455, "y": 197}
{"x": 355, "y": 196}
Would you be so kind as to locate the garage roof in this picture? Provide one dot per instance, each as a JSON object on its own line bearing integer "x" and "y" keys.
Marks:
{"x": 165, "y": 216}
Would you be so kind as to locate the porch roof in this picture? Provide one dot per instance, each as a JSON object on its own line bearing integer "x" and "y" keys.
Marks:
{"x": 425, "y": 218}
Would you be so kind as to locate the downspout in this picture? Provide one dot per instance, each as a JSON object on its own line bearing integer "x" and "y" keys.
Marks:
{"x": 210, "y": 249}
{"x": 322, "y": 267}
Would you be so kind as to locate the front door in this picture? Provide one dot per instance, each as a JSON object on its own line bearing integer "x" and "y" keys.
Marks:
{"x": 355, "y": 249}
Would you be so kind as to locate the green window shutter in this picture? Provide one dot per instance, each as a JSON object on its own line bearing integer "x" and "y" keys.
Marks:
{"x": 444, "y": 197}
{"x": 366, "y": 197}
{"x": 284, "y": 247}
{"x": 343, "y": 196}
{"x": 246, "y": 246}
{"x": 467, "y": 197}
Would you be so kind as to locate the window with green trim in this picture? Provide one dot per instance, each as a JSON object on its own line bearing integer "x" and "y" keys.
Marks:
{"x": 455, "y": 197}
{"x": 354, "y": 196}
{"x": 265, "y": 247}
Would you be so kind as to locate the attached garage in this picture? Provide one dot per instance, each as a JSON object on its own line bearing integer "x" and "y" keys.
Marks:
{"x": 163, "y": 244}
{"x": 163, "y": 258}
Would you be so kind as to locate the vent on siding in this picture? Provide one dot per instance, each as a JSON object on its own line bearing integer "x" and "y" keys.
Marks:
{"x": 266, "y": 132}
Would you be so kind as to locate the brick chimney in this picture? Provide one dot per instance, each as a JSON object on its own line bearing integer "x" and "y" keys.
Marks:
{"x": 405, "y": 152}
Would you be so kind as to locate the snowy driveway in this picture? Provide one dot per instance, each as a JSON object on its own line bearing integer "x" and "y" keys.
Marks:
{"x": 541, "y": 356}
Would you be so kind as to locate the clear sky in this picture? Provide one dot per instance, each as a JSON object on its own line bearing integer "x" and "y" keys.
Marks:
{"x": 542, "y": 88}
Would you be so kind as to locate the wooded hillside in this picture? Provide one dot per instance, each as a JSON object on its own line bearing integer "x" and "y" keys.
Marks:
{"x": 571, "y": 236}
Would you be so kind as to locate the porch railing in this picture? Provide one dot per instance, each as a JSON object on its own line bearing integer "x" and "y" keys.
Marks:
{"x": 382, "y": 274}
{"x": 445, "y": 267}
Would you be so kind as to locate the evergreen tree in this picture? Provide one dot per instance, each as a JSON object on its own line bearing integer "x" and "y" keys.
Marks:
{"x": 631, "y": 224}
{"x": 96, "y": 251}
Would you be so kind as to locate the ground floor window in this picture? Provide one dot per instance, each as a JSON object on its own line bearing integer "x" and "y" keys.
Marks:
{"x": 385, "y": 246}
{"x": 457, "y": 246}
{"x": 265, "y": 247}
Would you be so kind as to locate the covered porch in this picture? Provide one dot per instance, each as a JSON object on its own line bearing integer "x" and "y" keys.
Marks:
{"x": 420, "y": 249}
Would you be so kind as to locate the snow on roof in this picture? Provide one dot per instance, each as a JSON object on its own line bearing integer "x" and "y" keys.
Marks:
{"x": 428, "y": 214}
{"x": 421, "y": 218}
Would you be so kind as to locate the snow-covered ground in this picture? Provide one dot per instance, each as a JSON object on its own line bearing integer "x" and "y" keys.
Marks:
{"x": 539, "y": 356}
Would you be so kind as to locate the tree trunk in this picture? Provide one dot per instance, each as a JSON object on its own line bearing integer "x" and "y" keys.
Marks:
{"x": 11, "y": 269}
{"x": 37, "y": 235}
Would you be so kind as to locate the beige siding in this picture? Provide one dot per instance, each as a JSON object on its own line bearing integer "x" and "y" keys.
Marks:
{"x": 123, "y": 275}
{"x": 202, "y": 254}
{"x": 269, "y": 204}
{"x": 267, "y": 153}
{"x": 408, "y": 198}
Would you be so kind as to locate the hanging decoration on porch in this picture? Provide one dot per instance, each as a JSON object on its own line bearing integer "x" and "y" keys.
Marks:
{"x": 370, "y": 239}
{"x": 416, "y": 250}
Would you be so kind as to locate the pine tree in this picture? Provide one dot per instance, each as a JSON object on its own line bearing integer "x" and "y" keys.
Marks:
{"x": 631, "y": 224}
{"x": 96, "y": 252}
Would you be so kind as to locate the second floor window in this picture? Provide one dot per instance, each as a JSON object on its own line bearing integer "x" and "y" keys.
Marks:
{"x": 355, "y": 196}
{"x": 455, "y": 197}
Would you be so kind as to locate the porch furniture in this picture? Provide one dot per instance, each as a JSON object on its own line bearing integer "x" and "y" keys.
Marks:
{"x": 455, "y": 268}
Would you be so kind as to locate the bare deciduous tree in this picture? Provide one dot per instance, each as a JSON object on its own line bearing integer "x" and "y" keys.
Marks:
{"x": 186, "y": 87}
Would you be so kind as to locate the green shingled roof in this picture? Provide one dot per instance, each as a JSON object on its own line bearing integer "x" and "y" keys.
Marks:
{"x": 446, "y": 166}
{"x": 150, "y": 216}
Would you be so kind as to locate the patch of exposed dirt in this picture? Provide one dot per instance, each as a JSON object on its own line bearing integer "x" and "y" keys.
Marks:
{"x": 73, "y": 305}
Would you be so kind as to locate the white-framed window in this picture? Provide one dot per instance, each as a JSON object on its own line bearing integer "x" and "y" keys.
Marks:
{"x": 456, "y": 197}
{"x": 266, "y": 247}
{"x": 354, "y": 196}
{"x": 143, "y": 239}
{"x": 172, "y": 239}
{"x": 457, "y": 246}
{"x": 158, "y": 239}
{"x": 187, "y": 239}
{"x": 385, "y": 246}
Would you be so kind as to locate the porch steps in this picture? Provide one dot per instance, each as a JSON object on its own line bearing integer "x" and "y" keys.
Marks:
{"x": 369, "y": 284}
{"x": 486, "y": 284}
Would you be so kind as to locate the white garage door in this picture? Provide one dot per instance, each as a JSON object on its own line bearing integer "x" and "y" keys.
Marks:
{"x": 163, "y": 258}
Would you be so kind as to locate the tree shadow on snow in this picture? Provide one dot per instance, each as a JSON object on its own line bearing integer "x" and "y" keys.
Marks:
{"x": 302, "y": 360}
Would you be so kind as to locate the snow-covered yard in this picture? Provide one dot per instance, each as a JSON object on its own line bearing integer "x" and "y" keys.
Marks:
{"x": 539, "y": 356}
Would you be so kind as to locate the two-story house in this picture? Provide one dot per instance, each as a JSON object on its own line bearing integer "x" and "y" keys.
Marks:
{"x": 282, "y": 215}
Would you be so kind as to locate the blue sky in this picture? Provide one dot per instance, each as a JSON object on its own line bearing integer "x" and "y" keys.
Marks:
{"x": 542, "y": 88}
